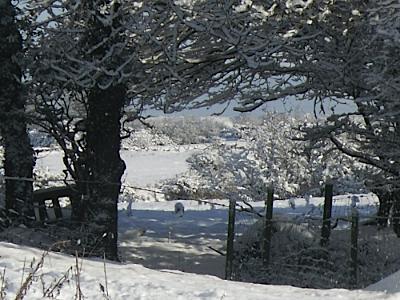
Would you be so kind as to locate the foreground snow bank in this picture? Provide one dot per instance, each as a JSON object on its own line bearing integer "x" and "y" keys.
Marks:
{"x": 390, "y": 284}
{"x": 129, "y": 281}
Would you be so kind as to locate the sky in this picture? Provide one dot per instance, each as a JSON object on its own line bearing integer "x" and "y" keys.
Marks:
{"x": 291, "y": 105}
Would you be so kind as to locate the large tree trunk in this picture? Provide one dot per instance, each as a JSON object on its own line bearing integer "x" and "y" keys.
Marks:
{"x": 18, "y": 163}
{"x": 105, "y": 167}
{"x": 389, "y": 202}
{"x": 385, "y": 204}
{"x": 396, "y": 212}
{"x": 18, "y": 152}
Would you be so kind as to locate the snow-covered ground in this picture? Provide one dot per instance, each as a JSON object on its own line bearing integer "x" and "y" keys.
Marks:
{"x": 151, "y": 233}
{"x": 153, "y": 236}
{"x": 132, "y": 281}
{"x": 140, "y": 165}
{"x": 172, "y": 241}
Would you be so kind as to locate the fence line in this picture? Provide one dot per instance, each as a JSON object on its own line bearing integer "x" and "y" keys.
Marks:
{"x": 352, "y": 256}
{"x": 239, "y": 207}
{"x": 315, "y": 262}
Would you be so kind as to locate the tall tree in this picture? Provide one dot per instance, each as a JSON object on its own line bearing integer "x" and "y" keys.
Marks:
{"x": 18, "y": 153}
{"x": 354, "y": 57}
{"x": 102, "y": 55}
{"x": 327, "y": 51}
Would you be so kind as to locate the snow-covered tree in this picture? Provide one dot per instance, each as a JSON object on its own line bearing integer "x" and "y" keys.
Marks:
{"x": 90, "y": 60}
{"x": 355, "y": 57}
{"x": 89, "y": 51}
{"x": 327, "y": 51}
{"x": 274, "y": 153}
{"x": 18, "y": 154}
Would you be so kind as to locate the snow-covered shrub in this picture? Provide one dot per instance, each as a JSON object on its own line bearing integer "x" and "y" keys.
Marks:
{"x": 133, "y": 194}
{"x": 326, "y": 163}
{"x": 188, "y": 186}
{"x": 45, "y": 179}
{"x": 179, "y": 131}
{"x": 265, "y": 156}
{"x": 273, "y": 153}
{"x": 231, "y": 170}
{"x": 192, "y": 130}
{"x": 145, "y": 139}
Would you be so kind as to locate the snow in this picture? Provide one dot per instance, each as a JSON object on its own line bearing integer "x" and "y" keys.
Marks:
{"x": 161, "y": 251}
{"x": 390, "y": 285}
{"x": 140, "y": 165}
{"x": 130, "y": 281}
{"x": 154, "y": 236}
{"x": 171, "y": 241}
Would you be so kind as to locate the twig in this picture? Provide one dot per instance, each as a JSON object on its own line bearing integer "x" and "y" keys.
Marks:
{"x": 83, "y": 255}
{"x": 28, "y": 281}
{"x": 218, "y": 251}
{"x": 23, "y": 272}
{"x": 3, "y": 285}
{"x": 105, "y": 274}
{"x": 50, "y": 290}
{"x": 78, "y": 293}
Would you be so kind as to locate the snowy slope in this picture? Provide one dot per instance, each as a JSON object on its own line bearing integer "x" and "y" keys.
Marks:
{"x": 129, "y": 281}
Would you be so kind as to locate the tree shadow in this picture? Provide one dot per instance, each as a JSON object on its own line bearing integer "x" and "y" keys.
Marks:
{"x": 177, "y": 243}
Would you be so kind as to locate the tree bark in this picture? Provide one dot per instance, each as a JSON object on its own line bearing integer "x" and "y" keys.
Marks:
{"x": 389, "y": 201}
{"x": 396, "y": 212}
{"x": 385, "y": 204}
{"x": 18, "y": 153}
{"x": 105, "y": 166}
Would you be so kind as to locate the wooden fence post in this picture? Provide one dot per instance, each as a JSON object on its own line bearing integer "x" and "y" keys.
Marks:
{"x": 354, "y": 247}
{"x": 42, "y": 211}
{"x": 57, "y": 208}
{"x": 326, "y": 222}
{"x": 230, "y": 241}
{"x": 269, "y": 205}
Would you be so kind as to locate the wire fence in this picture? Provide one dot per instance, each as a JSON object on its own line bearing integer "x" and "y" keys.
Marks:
{"x": 312, "y": 247}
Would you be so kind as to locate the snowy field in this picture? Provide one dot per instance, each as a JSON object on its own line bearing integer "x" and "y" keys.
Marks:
{"x": 161, "y": 251}
{"x": 140, "y": 165}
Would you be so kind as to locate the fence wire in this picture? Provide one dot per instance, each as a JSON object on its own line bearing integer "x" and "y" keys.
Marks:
{"x": 297, "y": 257}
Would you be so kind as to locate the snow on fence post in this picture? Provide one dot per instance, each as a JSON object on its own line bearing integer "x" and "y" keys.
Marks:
{"x": 326, "y": 221}
{"x": 230, "y": 240}
{"x": 354, "y": 247}
{"x": 269, "y": 205}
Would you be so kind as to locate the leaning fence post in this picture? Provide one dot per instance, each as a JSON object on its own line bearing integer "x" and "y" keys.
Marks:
{"x": 269, "y": 205}
{"x": 230, "y": 241}
{"x": 326, "y": 221}
{"x": 354, "y": 247}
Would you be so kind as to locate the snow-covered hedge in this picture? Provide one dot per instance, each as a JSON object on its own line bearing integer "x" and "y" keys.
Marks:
{"x": 145, "y": 139}
{"x": 189, "y": 186}
{"x": 194, "y": 130}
